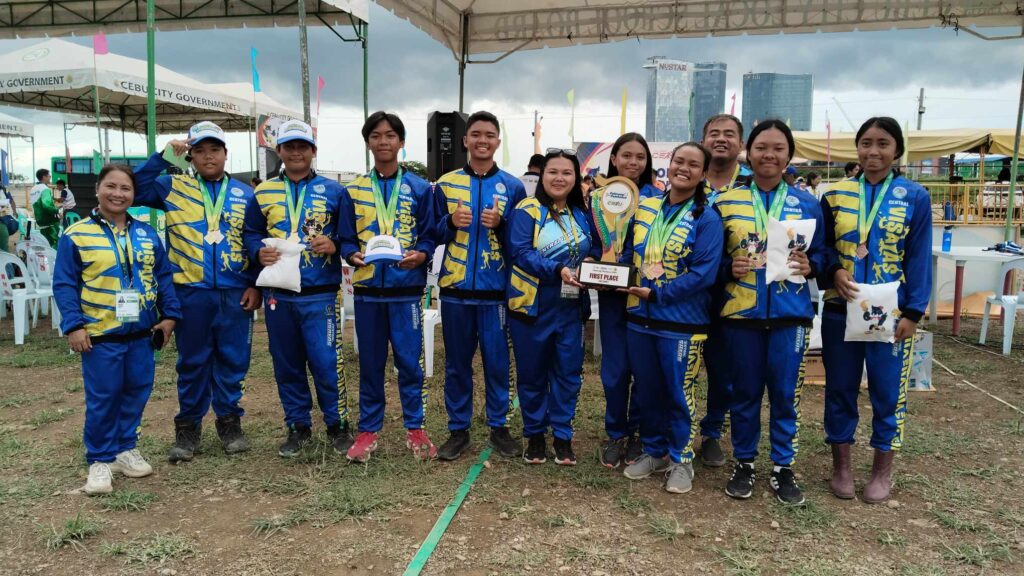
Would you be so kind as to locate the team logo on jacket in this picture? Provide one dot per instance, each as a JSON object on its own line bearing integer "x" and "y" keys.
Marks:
{"x": 237, "y": 192}
{"x": 899, "y": 192}
{"x": 406, "y": 189}
{"x": 140, "y": 233}
{"x": 792, "y": 201}
{"x": 319, "y": 188}
{"x": 500, "y": 187}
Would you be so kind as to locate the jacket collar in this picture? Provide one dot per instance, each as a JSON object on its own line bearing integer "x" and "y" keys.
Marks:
{"x": 494, "y": 170}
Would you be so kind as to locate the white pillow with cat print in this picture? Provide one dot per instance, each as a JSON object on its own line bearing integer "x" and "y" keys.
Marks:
{"x": 873, "y": 313}
{"x": 783, "y": 238}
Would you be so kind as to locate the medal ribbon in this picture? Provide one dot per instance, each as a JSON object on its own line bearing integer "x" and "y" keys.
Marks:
{"x": 386, "y": 211}
{"x": 760, "y": 215}
{"x": 661, "y": 230}
{"x": 294, "y": 210}
{"x": 213, "y": 209}
{"x": 864, "y": 219}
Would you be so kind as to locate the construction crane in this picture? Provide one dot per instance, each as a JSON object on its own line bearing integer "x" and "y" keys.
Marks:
{"x": 845, "y": 115}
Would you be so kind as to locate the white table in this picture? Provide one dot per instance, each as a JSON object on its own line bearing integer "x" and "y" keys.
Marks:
{"x": 962, "y": 255}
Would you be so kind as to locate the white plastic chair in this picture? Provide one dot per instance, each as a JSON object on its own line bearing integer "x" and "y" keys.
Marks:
{"x": 20, "y": 291}
{"x": 40, "y": 262}
{"x": 431, "y": 320}
{"x": 1009, "y": 304}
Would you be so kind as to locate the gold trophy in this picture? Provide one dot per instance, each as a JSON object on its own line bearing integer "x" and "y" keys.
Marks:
{"x": 613, "y": 204}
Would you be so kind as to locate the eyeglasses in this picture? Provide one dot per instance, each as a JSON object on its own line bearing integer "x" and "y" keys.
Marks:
{"x": 566, "y": 151}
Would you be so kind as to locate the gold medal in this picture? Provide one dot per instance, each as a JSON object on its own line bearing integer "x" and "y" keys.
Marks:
{"x": 213, "y": 236}
{"x": 862, "y": 251}
{"x": 293, "y": 238}
{"x": 653, "y": 270}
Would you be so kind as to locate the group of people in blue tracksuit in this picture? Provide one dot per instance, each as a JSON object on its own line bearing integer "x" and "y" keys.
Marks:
{"x": 509, "y": 286}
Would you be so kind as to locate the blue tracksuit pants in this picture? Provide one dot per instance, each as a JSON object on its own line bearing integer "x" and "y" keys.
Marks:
{"x": 888, "y": 368}
{"x": 621, "y": 415}
{"x": 716, "y": 364}
{"x": 549, "y": 364}
{"x": 463, "y": 326}
{"x": 401, "y": 324}
{"x": 666, "y": 370}
{"x": 773, "y": 360}
{"x": 118, "y": 378}
{"x": 214, "y": 339}
{"x": 302, "y": 332}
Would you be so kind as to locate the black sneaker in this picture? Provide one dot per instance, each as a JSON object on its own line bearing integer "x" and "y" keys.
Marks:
{"x": 503, "y": 443}
{"x": 786, "y": 489}
{"x": 340, "y": 438}
{"x": 741, "y": 485}
{"x": 612, "y": 452}
{"x": 187, "y": 435}
{"x": 564, "y": 456}
{"x": 454, "y": 446}
{"x": 711, "y": 454}
{"x": 634, "y": 449}
{"x": 229, "y": 429}
{"x": 298, "y": 436}
{"x": 536, "y": 450}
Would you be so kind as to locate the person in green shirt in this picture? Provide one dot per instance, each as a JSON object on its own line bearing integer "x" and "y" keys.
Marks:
{"x": 47, "y": 211}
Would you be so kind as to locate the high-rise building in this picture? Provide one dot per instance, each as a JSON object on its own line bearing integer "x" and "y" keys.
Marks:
{"x": 786, "y": 97}
{"x": 708, "y": 94}
{"x": 669, "y": 89}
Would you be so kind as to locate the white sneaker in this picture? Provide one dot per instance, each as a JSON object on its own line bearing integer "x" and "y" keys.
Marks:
{"x": 131, "y": 464}
{"x": 99, "y": 479}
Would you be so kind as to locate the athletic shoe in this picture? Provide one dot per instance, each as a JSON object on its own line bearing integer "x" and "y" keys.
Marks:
{"x": 536, "y": 450}
{"x": 679, "y": 479}
{"x": 741, "y": 484}
{"x": 646, "y": 465}
{"x": 711, "y": 454}
{"x": 187, "y": 436}
{"x": 298, "y": 436}
{"x": 229, "y": 429}
{"x": 634, "y": 450}
{"x": 99, "y": 479}
{"x": 421, "y": 446}
{"x": 365, "y": 444}
{"x": 783, "y": 482}
{"x": 454, "y": 446}
{"x": 503, "y": 443}
{"x": 131, "y": 464}
{"x": 340, "y": 438}
{"x": 564, "y": 456}
{"x": 612, "y": 452}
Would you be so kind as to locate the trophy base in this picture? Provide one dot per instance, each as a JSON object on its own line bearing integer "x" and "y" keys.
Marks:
{"x": 606, "y": 274}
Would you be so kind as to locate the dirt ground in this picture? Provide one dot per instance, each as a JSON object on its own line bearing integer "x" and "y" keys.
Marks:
{"x": 956, "y": 507}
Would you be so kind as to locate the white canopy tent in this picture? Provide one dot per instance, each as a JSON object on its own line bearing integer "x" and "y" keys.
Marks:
{"x": 11, "y": 126}
{"x": 58, "y": 75}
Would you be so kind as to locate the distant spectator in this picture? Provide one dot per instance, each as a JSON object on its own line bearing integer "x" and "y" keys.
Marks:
{"x": 1004, "y": 174}
{"x": 851, "y": 169}
{"x": 790, "y": 175}
{"x": 8, "y": 221}
{"x": 256, "y": 181}
{"x": 64, "y": 194}
{"x": 533, "y": 170}
{"x": 813, "y": 180}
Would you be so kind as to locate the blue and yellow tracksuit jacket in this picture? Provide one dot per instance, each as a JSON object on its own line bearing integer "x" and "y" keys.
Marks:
{"x": 196, "y": 263}
{"x": 89, "y": 274}
{"x": 749, "y": 300}
{"x": 476, "y": 261}
{"x": 680, "y": 301}
{"x": 414, "y": 228}
{"x": 267, "y": 217}
{"x": 899, "y": 241}
{"x": 530, "y": 270}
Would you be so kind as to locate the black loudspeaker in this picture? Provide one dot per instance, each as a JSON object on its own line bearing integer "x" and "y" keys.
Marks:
{"x": 445, "y": 151}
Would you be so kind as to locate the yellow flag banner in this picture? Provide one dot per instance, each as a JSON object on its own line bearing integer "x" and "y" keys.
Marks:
{"x": 622, "y": 116}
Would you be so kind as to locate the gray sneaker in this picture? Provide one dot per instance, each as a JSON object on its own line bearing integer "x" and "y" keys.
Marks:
{"x": 679, "y": 479}
{"x": 646, "y": 466}
{"x": 711, "y": 454}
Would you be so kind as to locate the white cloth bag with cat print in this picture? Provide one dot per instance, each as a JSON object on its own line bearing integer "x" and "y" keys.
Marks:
{"x": 785, "y": 237}
{"x": 873, "y": 313}
{"x": 283, "y": 274}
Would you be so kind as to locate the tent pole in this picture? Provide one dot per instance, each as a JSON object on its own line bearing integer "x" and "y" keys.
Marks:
{"x": 150, "y": 76}
{"x": 366, "y": 82}
{"x": 304, "y": 55}
{"x": 33, "y": 156}
{"x": 124, "y": 148}
{"x": 464, "y": 47}
{"x": 1013, "y": 165}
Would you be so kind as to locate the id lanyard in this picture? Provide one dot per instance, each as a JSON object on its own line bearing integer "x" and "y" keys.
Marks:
{"x": 123, "y": 264}
{"x": 865, "y": 219}
{"x": 213, "y": 208}
{"x": 573, "y": 242}
{"x": 294, "y": 210}
{"x": 732, "y": 184}
{"x": 760, "y": 215}
{"x": 385, "y": 210}
{"x": 661, "y": 230}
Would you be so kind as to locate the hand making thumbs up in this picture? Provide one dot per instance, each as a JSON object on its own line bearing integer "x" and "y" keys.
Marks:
{"x": 490, "y": 217}
{"x": 462, "y": 217}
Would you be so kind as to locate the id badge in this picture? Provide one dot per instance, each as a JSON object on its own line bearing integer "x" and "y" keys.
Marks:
{"x": 127, "y": 306}
{"x": 569, "y": 291}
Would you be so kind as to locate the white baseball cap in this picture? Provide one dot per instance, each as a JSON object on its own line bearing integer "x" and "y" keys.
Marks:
{"x": 206, "y": 131}
{"x": 295, "y": 130}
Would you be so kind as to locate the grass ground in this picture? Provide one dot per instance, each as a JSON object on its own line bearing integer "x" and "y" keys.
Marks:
{"x": 957, "y": 508}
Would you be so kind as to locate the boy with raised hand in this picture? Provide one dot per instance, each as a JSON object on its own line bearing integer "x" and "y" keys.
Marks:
{"x": 214, "y": 280}
{"x": 472, "y": 205}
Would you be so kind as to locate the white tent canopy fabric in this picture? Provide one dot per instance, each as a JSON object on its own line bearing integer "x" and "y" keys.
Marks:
{"x": 11, "y": 126}
{"x": 498, "y": 26}
{"x": 59, "y": 75}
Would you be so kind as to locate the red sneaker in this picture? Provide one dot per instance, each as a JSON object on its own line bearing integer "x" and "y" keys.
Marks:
{"x": 421, "y": 446}
{"x": 365, "y": 444}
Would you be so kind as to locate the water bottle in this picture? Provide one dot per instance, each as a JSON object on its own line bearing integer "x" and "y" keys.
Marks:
{"x": 948, "y": 213}
{"x": 947, "y": 238}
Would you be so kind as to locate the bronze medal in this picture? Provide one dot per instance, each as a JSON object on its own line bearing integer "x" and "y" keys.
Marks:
{"x": 862, "y": 251}
{"x": 653, "y": 270}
